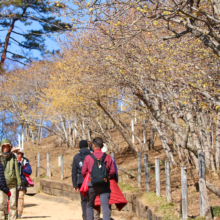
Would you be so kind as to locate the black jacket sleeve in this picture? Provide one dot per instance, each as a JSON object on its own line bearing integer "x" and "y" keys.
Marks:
{"x": 74, "y": 172}
{"x": 3, "y": 186}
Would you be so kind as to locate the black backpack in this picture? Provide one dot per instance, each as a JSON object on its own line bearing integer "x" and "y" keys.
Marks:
{"x": 99, "y": 174}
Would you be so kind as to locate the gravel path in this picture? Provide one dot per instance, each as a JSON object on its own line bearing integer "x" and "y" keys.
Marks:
{"x": 42, "y": 206}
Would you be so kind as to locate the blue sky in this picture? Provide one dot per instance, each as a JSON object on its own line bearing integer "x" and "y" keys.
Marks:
{"x": 50, "y": 42}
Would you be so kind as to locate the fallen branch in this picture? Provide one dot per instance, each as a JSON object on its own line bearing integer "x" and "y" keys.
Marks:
{"x": 125, "y": 171}
{"x": 43, "y": 168}
{"x": 54, "y": 168}
{"x": 213, "y": 188}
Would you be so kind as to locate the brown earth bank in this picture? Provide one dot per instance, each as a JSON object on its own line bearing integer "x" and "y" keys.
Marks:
{"x": 127, "y": 159}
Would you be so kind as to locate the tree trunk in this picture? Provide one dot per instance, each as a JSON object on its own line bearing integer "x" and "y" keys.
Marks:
{"x": 216, "y": 7}
{"x": 217, "y": 140}
{"x": 203, "y": 129}
{"x": 7, "y": 41}
{"x": 119, "y": 127}
{"x": 163, "y": 138}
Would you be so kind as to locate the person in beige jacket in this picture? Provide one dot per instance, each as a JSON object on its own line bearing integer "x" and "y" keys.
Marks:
{"x": 13, "y": 180}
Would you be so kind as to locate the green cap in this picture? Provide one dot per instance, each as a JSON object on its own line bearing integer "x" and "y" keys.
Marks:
{"x": 5, "y": 141}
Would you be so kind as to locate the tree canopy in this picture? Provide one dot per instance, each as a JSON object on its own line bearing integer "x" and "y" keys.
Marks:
{"x": 40, "y": 21}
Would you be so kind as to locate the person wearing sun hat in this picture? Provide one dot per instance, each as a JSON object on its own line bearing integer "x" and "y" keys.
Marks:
{"x": 24, "y": 170}
{"x": 12, "y": 177}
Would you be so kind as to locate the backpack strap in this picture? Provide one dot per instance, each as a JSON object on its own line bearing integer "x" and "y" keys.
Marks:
{"x": 104, "y": 156}
{"x": 93, "y": 157}
{"x": 102, "y": 159}
{"x": 4, "y": 167}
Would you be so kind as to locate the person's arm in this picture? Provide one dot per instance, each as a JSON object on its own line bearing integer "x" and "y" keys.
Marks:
{"x": 3, "y": 186}
{"x": 17, "y": 173}
{"x": 85, "y": 166}
{"x": 27, "y": 169}
{"x": 74, "y": 173}
{"x": 110, "y": 166}
{"x": 116, "y": 170}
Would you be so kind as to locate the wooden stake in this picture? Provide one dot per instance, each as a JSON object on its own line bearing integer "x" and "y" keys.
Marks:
{"x": 112, "y": 155}
{"x": 139, "y": 169}
{"x": 184, "y": 192}
{"x": 19, "y": 141}
{"x": 157, "y": 175}
{"x": 48, "y": 166}
{"x": 61, "y": 159}
{"x": 168, "y": 187}
{"x": 38, "y": 165}
{"x": 132, "y": 129}
{"x": 146, "y": 172}
{"x": 204, "y": 200}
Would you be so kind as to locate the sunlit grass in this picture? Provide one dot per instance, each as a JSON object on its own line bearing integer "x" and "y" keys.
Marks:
{"x": 160, "y": 205}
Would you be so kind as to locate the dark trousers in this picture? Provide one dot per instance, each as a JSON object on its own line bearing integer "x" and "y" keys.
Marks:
{"x": 98, "y": 212}
{"x": 104, "y": 199}
{"x": 83, "y": 205}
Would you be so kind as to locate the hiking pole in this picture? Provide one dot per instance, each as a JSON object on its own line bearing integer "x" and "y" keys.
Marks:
{"x": 7, "y": 209}
{"x": 8, "y": 206}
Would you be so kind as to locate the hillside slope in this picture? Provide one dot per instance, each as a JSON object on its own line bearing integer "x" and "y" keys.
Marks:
{"x": 126, "y": 159}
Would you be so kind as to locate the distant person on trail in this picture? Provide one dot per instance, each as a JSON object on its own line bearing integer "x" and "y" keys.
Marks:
{"x": 101, "y": 167}
{"x": 90, "y": 146}
{"x": 24, "y": 170}
{"x": 77, "y": 177}
{"x": 12, "y": 177}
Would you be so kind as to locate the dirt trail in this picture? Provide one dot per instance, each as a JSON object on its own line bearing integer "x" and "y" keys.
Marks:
{"x": 48, "y": 207}
{"x": 44, "y": 207}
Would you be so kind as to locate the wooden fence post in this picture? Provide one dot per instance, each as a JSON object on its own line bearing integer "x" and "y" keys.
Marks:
{"x": 75, "y": 130}
{"x": 146, "y": 171}
{"x": 48, "y": 166}
{"x": 112, "y": 155}
{"x": 135, "y": 116}
{"x": 157, "y": 175}
{"x": 151, "y": 141}
{"x": 88, "y": 134}
{"x": 61, "y": 166}
{"x": 132, "y": 129}
{"x": 184, "y": 193}
{"x": 38, "y": 165}
{"x": 139, "y": 169}
{"x": 168, "y": 187}
{"x": 22, "y": 141}
{"x": 204, "y": 200}
{"x": 19, "y": 141}
{"x": 146, "y": 147}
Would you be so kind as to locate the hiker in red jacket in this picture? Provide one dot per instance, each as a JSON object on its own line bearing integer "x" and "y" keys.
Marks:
{"x": 101, "y": 189}
{"x": 116, "y": 196}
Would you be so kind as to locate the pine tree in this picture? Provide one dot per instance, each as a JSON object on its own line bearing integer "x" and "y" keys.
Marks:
{"x": 29, "y": 13}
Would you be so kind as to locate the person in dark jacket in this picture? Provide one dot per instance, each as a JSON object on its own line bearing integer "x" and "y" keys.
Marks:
{"x": 3, "y": 186}
{"x": 77, "y": 177}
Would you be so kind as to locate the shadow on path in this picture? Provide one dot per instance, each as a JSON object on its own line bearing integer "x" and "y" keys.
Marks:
{"x": 36, "y": 217}
{"x": 29, "y": 205}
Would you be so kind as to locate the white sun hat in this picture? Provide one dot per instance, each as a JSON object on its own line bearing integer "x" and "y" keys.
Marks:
{"x": 104, "y": 148}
